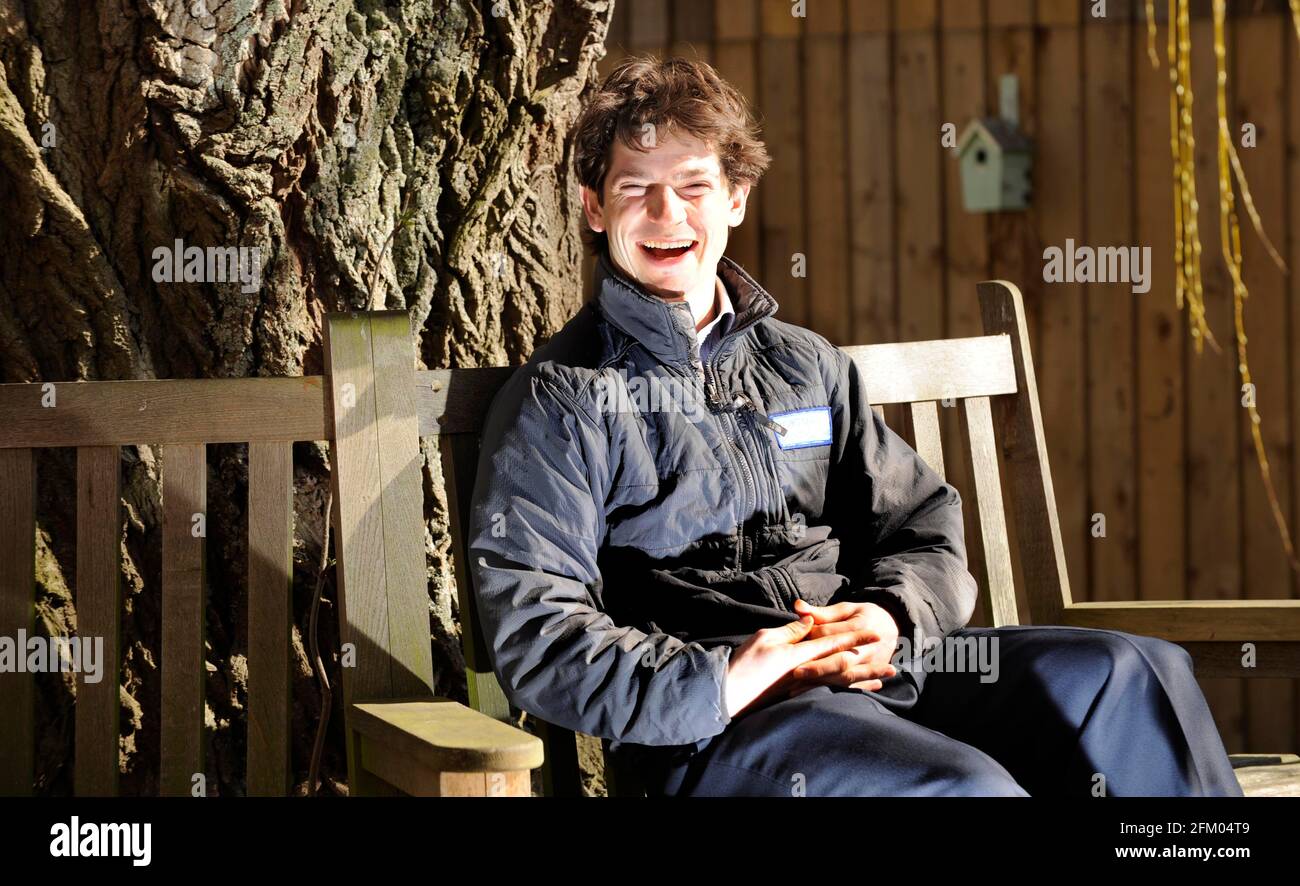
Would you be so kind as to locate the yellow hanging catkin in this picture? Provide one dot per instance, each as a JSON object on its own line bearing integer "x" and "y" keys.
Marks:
{"x": 1230, "y": 235}
{"x": 1187, "y": 245}
{"x": 1187, "y": 239}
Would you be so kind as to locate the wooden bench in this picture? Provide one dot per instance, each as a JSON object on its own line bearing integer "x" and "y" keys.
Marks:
{"x": 373, "y": 406}
{"x": 400, "y": 737}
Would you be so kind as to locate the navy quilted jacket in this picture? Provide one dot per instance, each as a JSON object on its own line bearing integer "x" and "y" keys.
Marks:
{"x": 638, "y": 514}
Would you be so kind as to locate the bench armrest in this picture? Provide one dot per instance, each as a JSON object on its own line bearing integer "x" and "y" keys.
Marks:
{"x": 433, "y": 735}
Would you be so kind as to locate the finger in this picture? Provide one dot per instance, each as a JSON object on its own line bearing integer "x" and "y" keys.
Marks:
{"x": 868, "y": 685}
{"x": 831, "y": 643}
{"x": 825, "y": 614}
{"x": 822, "y": 629}
{"x": 798, "y": 628}
{"x": 851, "y": 664}
{"x": 871, "y": 671}
{"x": 823, "y": 667}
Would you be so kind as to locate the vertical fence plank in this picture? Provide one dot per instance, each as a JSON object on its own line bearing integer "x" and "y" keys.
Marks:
{"x": 962, "y": 48}
{"x": 1013, "y": 247}
{"x": 99, "y": 608}
{"x": 919, "y": 190}
{"x": 1058, "y": 198}
{"x": 1258, "y": 49}
{"x": 780, "y": 96}
{"x": 270, "y": 599}
{"x": 647, "y": 26}
{"x": 735, "y": 55}
{"x": 692, "y": 22}
{"x": 17, "y": 614}
{"x": 826, "y": 175}
{"x": 1162, "y": 337}
{"x": 1291, "y": 252}
{"x": 1108, "y": 209}
{"x": 872, "y": 184}
{"x": 184, "y": 494}
{"x": 826, "y": 172}
{"x": 920, "y": 174}
{"x": 1213, "y": 405}
{"x": 919, "y": 177}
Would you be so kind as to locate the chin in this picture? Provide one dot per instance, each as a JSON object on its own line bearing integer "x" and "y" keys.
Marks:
{"x": 680, "y": 280}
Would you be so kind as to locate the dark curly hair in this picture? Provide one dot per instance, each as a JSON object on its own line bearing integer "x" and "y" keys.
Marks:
{"x": 670, "y": 94}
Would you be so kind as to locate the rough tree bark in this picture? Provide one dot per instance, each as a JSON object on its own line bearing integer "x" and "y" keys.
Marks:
{"x": 300, "y": 127}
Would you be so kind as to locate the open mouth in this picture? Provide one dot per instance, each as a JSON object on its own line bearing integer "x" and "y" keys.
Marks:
{"x": 667, "y": 251}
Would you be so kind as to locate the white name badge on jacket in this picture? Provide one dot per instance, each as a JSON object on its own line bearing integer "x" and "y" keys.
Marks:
{"x": 804, "y": 427}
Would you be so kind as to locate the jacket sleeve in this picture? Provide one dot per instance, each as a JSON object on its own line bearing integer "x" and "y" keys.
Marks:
{"x": 888, "y": 504}
{"x": 537, "y": 522}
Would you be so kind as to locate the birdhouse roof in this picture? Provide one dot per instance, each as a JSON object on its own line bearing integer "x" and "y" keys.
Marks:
{"x": 996, "y": 130}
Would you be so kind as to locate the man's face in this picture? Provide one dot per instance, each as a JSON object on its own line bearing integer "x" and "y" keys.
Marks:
{"x": 667, "y": 213}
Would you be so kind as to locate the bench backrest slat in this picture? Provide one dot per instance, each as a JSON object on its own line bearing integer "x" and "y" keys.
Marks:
{"x": 999, "y": 600}
{"x": 184, "y": 496}
{"x": 122, "y": 413}
{"x": 925, "y": 430}
{"x": 17, "y": 616}
{"x": 270, "y": 615}
{"x": 911, "y": 371}
{"x": 459, "y": 455}
{"x": 99, "y": 607}
{"x": 378, "y": 512}
{"x": 1023, "y": 443}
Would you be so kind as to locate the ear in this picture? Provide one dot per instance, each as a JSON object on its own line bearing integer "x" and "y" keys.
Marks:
{"x": 739, "y": 199}
{"x": 592, "y": 209}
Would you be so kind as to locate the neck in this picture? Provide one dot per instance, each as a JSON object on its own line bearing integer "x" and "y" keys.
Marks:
{"x": 704, "y": 301}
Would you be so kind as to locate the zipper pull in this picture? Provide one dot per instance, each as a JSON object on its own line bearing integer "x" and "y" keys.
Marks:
{"x": 741, "y": 400}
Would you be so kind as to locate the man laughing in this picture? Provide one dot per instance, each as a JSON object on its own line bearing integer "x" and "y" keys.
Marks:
{"x": 721, "y": 597}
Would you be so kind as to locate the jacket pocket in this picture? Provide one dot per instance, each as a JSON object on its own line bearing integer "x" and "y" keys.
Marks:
{"x": 812, "y": 573}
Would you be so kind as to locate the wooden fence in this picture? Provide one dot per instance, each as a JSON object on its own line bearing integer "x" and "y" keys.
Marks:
{"x": 1141, "y": 429}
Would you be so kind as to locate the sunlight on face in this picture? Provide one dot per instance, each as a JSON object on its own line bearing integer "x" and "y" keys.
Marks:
{"x": 667, "y": 213}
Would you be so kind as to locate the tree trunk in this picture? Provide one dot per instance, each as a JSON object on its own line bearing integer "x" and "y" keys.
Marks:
{"x": 301, "y": 128}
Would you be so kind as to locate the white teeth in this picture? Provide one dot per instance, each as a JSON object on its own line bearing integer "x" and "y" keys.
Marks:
{"x": 667, "y": 244}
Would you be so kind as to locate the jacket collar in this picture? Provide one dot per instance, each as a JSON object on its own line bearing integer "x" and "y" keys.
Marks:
{"x": 667, "y": 329}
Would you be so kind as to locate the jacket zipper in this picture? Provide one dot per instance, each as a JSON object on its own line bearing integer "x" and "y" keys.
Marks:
{"x": 790, "y": 585}
{"x": 751, "y": 489}
{"x": 738, "y": 401}
{"x": 742, "y": 401}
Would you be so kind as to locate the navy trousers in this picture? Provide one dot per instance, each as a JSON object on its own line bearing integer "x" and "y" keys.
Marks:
{"x": 1073, "y": 712}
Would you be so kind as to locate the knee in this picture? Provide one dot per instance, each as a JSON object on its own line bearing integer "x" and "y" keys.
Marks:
{"x": 1110, "y": 649}
{"x": 975, "y": 775}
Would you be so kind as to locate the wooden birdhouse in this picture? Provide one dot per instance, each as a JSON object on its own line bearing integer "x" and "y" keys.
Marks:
{"x": 996, "y": 157}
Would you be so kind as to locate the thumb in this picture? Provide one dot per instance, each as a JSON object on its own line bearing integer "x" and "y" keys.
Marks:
{"x": 800, "y": 626}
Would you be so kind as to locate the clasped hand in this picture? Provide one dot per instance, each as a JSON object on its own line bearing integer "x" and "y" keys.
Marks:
{"x": 861, "y": 667}
{"x": 847, "y": 644}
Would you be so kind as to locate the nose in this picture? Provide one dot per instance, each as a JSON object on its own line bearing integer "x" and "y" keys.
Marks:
{"x": 665, "y": 207}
